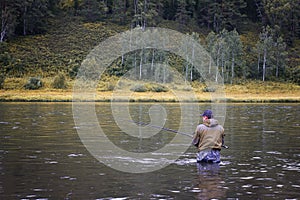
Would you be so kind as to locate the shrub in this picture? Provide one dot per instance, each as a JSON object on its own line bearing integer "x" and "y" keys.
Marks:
{"x": 209, "y": 89}
{"x": 139, "y": 88}
{"x": 74, "y": 71}
{"x": 110, "y": 86}
{"x": 186, "y": 88}
{"x": 159, "y": 88}
{"x": 2, "y": 79}
{"x": 33, "y": 83}
{"x": 59, "y": 81}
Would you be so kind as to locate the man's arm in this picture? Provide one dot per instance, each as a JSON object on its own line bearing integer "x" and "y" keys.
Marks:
{"x": 196, "y": 138}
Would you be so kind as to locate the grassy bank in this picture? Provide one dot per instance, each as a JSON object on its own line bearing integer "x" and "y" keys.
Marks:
{"x": 245, "y": 92}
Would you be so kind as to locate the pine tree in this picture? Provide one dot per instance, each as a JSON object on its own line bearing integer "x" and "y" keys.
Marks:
{"x": 119, "y": 11}
{"x": 33, "y": 16}
{"x": 93, "y": 10}
{"x": 218, "y": 15}
{"x": 277, "y": 10}
{"x": 9, "y": 12}
{"x": 200, "y": 13}
{"x": 182, "y": 13}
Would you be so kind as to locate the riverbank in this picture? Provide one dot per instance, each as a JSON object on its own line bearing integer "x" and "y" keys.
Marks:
{"x": 254, "y": 93}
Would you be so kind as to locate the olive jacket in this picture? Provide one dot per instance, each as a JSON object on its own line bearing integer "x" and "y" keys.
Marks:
{"x": 209, "y": 135}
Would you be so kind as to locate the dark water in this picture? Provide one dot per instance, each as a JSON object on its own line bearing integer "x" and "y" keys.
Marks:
{"x": 42, "y": 157}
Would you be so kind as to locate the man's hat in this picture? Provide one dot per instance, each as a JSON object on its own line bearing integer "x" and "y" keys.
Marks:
{"x": 208, "y": 114}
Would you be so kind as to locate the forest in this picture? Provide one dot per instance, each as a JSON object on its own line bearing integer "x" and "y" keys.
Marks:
{"x": 247, "y": 39}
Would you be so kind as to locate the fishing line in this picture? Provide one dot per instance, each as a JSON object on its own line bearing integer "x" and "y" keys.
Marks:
{"x": 166, "y": 129}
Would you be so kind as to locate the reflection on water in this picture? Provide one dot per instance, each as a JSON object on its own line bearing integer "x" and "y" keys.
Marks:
{"x": 210, "y": 182}
{"x": 42, "y": 157}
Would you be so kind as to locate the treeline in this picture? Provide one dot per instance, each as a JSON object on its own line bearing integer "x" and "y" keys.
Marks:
{"x": 23, "y": 17}
{"x": 273, "y": 56}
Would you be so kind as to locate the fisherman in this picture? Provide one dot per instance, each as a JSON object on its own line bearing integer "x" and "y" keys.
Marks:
{"x": 208, "y": 138}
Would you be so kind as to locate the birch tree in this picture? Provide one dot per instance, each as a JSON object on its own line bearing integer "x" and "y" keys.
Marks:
{"x": 264, "y": 48}
{"x": 210, "y": 42}
{"x": 235, "y": 49}
{"x": 147, "y": 12}
{"x": 280, "y": 55}
{"x": 226, "y": 50}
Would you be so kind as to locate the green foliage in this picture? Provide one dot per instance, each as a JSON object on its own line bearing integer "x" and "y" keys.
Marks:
{"x": 119, "y": 11}
{"x": 93, "y": 10}
{"x": 139, "y": 88}
{"x": 158, "y": 88}
{"x": 59, "y": 81}
{"x": 271, "y": 51}
{"x": 149, "y": 87}
{"x": 146, "y": 13}
{"x": 208, "y": 89}
{"x": 80, "y": 25}
{"x": 2, "y": 79}
{"x": 33, "y": 83}
{"x": 61, "y": 49}
{"x": 23, "y": 17}
{"x": 226, "y": 51}
{"x": 106, "y": 85}
{"x": 293, "y": 74}
{"x": 219, "y": 15}
{"x": 283, "y": 14}
{"x": 183, "y": 15}
{"x": 9, "y": 17}
{"x": 73, "y": 71}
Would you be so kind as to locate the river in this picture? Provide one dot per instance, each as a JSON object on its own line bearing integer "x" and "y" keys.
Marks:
{"x": 42, "y": 155}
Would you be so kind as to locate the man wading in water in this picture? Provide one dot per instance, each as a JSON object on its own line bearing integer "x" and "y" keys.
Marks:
{"x": 209, "y": 138}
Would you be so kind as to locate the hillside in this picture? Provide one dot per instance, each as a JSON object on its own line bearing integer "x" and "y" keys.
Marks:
{"x": 67, "y": 42}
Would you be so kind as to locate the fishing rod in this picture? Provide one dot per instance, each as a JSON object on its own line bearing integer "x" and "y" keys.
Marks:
{"x": 167, "y": 129}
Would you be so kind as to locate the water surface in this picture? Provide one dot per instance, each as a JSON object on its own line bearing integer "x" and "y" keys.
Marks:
{"x": 42, "y": 157}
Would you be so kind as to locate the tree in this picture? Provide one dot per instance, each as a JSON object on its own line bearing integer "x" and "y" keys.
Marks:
{"x": 280, "y": 56}
{"x": 93, "y": 10}
{"x": 234, "y": 16}
{"x": 33, "y": 16}
{"x": 201, "y": 13}
{"x": 147, "y": 12}
{"x": 211, "y": 39}
{"x": 71, "y": 5}
{"x": 277, "y": 11}
{"x": 220, "y": 14}
{"x": 235, "y": 50}
{"x": 284, "y": 14}
{"x": 272, "y": 49}
{"x": 219, "y": 52}
{"x": 214, "y": 46}
{"x": 293, "y": 24}
{"x": 169, "y": 9}
{"x": 226, "y": 51}
{"x": 9, "y": 14}
{"x": 183, "y": 15}
{"x": 119, "y": 10}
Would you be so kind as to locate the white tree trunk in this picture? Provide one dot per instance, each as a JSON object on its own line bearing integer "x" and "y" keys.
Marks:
{"x": 141, "y": 65}
{"x": 3, "y": 25}
{"x": 258, "y": 63}
{"x": 3, "y": 31}
{"x": 264, "y": 64}
{"x": 232, "y": 67}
